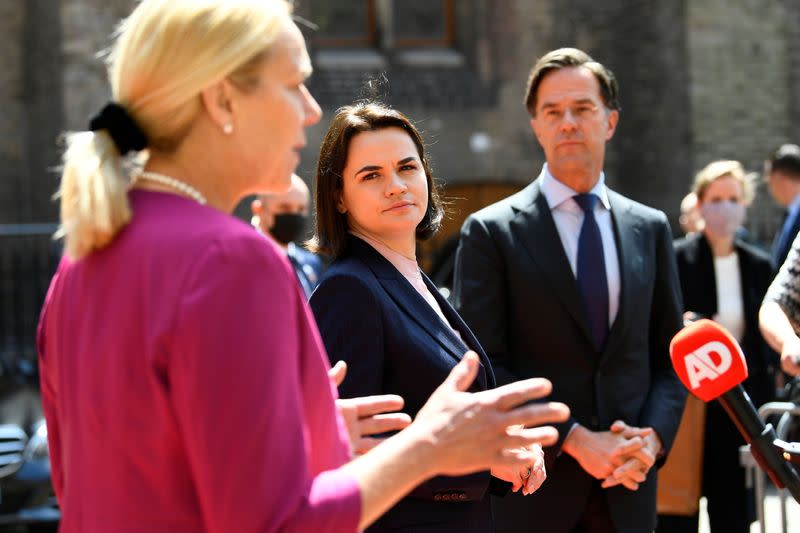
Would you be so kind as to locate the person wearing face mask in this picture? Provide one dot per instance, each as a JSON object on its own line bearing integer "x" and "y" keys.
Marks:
{"x": 283, "y": 217}
{"x": 724, "y": 279}
{"x": 690, "y": 220}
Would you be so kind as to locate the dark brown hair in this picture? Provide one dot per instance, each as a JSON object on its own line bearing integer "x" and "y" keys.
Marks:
{"x": 571, "y": 57}
{"x": 786, "y": 159}
{"x": 330, "y": 226}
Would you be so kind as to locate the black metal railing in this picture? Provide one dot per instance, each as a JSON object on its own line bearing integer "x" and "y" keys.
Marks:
{"x": 28, "y": 258}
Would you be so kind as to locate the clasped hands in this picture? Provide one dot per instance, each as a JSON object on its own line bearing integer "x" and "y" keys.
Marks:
{"x": 621, "y": 456}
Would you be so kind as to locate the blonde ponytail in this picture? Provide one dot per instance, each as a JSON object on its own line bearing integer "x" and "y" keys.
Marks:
{"x": 93, "y": 193}
{"x": 164, "y": 55}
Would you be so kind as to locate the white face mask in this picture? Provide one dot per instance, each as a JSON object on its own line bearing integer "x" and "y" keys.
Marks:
{"x": 723, "y": 218}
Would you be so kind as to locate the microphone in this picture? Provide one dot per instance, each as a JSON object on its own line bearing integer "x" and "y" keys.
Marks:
{"x": 710, "y": 363}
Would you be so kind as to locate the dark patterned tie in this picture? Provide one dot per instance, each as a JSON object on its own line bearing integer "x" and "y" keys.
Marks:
{"x": 592, "y": 282}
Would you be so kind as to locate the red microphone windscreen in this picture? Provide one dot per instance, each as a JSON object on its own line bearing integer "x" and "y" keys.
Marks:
{"x": 707, "y": 359}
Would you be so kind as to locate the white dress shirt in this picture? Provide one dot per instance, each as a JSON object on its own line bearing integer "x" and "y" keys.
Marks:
{"x": 730, "y": 306}
{"x": 568, "y": 216}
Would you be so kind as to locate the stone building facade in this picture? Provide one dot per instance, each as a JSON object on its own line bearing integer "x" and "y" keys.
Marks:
{"x": 700, "y": 79}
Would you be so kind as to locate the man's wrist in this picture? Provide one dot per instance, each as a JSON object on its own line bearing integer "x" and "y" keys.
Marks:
{"x": 655, "y": 445}
{"x": 573, "y": 438}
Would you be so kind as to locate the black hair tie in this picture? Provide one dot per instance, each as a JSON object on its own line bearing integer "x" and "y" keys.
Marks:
{"x": 125, "y": 133}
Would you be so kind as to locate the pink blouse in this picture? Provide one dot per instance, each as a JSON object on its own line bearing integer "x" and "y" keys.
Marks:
{"x": 185, "y": 384}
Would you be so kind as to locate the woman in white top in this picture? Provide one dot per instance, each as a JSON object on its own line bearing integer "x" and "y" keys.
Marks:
{"x": 379, "y": 313}
{"x": 724, "y": 279}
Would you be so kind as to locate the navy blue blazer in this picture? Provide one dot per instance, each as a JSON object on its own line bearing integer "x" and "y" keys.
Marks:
{"x": 393, "y": 342}
{"x": 781, "y": 247}
{"x": 308, "y": 267}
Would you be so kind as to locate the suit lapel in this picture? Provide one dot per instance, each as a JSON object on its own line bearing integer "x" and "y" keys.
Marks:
{"x": 467, "y": 340}
{"x": 410, "y": 301}
{"x": 750, "y": 283}
{"x": 626, "y": 234}
{"x": 706, "y": 296}
{"x": 535, "y": 229}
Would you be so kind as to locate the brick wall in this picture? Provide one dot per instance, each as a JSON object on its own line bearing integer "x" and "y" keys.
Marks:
{"x": 51, "y": 80}
{"x": 44, "y": 109}
{"x": 740, "y": 61}
{"x": 87, "y": 26}
{"x": 13, "y": 125}
{"x": 739, "y": 80}
{"x": 791, "y": 20}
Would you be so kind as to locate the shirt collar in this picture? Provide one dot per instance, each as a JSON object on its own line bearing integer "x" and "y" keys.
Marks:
{"x": 407, "y": 267}
{"x": 556, "y": 192}
{"x": 794, "y": 206}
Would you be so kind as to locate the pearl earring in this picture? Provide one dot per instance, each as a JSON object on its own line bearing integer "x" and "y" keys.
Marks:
{"x": 227, "y": 129}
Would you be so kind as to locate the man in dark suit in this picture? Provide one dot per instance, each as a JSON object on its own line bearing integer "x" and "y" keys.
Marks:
{"x": 782, "y": 172}
{"x": 283, "y": 217}
{"x": 572, "y": 281}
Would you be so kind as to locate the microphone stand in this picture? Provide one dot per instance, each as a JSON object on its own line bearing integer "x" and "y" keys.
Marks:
{"x": 761, "y": 438}
{"x": 785, "y": 410}
{"x": 789, "y": 450}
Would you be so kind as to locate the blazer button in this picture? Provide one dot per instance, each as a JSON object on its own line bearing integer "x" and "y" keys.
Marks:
{"x": 437, "y": 497}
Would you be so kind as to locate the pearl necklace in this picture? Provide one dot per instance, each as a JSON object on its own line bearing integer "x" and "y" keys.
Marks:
{"x": 176, "y": 184}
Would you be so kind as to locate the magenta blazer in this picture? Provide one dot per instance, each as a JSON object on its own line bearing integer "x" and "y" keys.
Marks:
{"x": 185, "y": 384}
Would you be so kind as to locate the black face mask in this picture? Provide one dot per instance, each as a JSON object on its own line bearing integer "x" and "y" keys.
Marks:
{"x": 288, "y": 227}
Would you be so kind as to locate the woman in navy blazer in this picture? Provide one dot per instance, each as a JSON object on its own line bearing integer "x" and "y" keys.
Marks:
{"x": 380, "y": 314}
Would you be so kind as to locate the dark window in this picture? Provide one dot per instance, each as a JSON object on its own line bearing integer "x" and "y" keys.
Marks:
{"x": 344, "y": 22}
{"x": 423, "y": 22}
{"x": 358, "y": 22}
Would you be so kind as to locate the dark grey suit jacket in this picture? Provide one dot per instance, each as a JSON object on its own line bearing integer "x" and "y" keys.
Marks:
{"x": 514, "y": 287}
